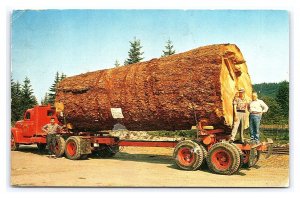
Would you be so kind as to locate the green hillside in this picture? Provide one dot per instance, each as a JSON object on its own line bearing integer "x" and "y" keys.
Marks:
{"x": 267, "y": 89}
{"x": 276, "y": 96}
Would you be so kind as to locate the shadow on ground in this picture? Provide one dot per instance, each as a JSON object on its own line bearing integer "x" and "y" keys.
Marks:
{"x": 32, "y": 149}
{"x": 150, "y": 158}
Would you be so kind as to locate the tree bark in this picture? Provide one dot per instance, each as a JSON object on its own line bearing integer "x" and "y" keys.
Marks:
{"x": 169, "y": 93}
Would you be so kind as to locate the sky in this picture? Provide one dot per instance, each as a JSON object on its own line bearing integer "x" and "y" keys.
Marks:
{"x": 44, "y": 42}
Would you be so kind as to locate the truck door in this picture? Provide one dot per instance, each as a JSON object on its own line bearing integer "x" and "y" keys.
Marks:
{"x": 28, "y": 125}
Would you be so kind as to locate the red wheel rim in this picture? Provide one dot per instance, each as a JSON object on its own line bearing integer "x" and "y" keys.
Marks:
{"x": 71, "y": 148}
{"x": 246, "y": 157}
{"x": 221, "y": 159}
{"x": 186, "y": 156}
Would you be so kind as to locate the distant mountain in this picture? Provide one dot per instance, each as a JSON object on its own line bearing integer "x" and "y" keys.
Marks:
{"x": 267, "y": 89}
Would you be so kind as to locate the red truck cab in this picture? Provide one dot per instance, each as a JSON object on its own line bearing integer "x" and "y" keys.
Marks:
{"x": 29, "y": 130}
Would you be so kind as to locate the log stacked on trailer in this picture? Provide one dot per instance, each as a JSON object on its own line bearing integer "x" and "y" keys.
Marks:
{"x": 169, "y": 93}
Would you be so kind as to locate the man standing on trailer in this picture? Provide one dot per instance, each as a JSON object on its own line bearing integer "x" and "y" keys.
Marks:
{"x": 51, "y": 130}
{"x": 257, "y": 108}
{"x": 240, "y": 105}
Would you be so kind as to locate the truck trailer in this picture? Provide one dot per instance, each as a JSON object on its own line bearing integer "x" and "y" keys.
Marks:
{"x": 194, "y": 88}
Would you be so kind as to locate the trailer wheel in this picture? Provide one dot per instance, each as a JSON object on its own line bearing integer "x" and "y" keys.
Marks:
{"x": 107, "y": 151}
{"x": 223, "y": 158}
{"x": 13, "y": 145}
{"x": 72, "y": 149}
{"x": 204, "y": 154}
{"x": 59, "y": 145}
{"x": 242, "y": 156}
{"x": 41, "y": 146}
{"x": 188, "y": 155}
{"x": 251, "y": 158}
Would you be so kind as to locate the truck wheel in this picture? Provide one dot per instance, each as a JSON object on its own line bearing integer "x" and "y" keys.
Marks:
{"x": 188, "y": 155}
{"x": 59, "y": 145}
{"x": 242, "y": 156}
{"x": 223, "y": 158}
{"x": 72, "y": 150}
{"x": 107, "y": 151}
{"x": 251, "y": 158}
{"x": 41, "y": 146}
{"x": 13, "y": 145}
{"x": 204, "y": 154}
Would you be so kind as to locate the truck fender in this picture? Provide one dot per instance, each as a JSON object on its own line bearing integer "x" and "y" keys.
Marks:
{"x": 17, "y": 133}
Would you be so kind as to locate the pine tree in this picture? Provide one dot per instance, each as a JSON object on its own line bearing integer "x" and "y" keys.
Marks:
{"x": 134, "y": 54}
{"x": 49, "y": 98}
{"x": 62, "y": 76}
{"x": 16, "y": 101}
{"x": 52, "y": 90}
{"x": 45, "y": 100}
{"x": 169, "y": 49}
{"x": 28, "y": 100}
{"x": 117, "y": 64}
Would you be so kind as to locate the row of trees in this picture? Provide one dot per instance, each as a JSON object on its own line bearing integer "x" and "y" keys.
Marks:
{"x": 22, "y": 98}
{"x": 135, "y": 54}
{"x": 278, "y": 102}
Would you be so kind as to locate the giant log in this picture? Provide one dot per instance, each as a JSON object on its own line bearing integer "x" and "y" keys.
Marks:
{"x": 168, "y": 93}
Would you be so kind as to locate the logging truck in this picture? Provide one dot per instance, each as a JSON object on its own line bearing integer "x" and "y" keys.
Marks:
{"x": 178, "y": 92}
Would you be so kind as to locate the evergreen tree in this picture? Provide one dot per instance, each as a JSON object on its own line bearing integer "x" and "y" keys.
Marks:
{"x": 28, "y": 100}
{"x": 274, "y": 115}
{"x": 49, "y": 98}
{"x": 282, "y": 98}
{"x": 169, "y": 49}
{"x": 62, "y": 76}
{"x": 117, "y": 64}
{"x": 16, "y": 101}
{"x": 45, "y": 100}
{"x": 52, "y": 90}
{"x": 134, "y": 54}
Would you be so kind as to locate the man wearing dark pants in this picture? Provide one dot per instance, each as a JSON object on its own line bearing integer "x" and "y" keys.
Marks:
{"x": 51, "y": 130}
{"x": 256, "y": 108}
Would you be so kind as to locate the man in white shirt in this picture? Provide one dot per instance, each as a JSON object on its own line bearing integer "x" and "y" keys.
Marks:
{"x": 256, "y": 108}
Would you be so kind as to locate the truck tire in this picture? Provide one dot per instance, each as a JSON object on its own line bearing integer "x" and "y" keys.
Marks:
{"x": 223, "y": 158}
{"x": 59, "y": 145}
{"x": 13, "y": 145}
{"x": 41, "y": 146}
{"x": 242, "y": 156}
{"x": 72, "y": 149}
{"x": 188, "y": 155}
{"x": 251, "y": 158}
{"x": 107, "y": 151}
